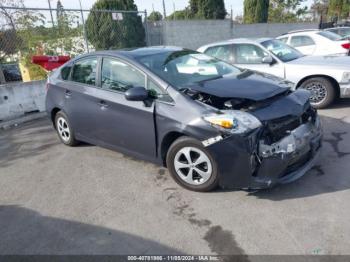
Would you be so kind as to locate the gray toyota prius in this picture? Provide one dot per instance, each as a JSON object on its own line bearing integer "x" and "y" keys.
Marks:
{"x": 210, "y": 123}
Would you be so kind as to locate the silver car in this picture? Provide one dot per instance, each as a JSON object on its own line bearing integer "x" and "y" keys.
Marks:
{"x": 326, "y": 77}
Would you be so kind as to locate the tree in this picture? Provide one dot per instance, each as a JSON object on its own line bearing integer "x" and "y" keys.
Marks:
{"x": 208, "y": 9}
{"x": 287, "y": 11}
{"x": 339, "y": 9}
{"x": 105, "y": 33}
{"x": 155, "y": 16}
{"x": 319, "y": 9}
{"x": 62, "y": 18}
{"x": 181, "y": 15}
{"x": 256, "y": 11}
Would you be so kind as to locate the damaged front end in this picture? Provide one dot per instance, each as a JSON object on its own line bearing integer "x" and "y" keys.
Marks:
{"x": 279, "y": 150}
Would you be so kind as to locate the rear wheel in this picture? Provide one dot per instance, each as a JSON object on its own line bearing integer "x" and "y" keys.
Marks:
{"x": 64, "y": 130}
{"x": 191, "y": 165}
{"x": 322, "y": 91}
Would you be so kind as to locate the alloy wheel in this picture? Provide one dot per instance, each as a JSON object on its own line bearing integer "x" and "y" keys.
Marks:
{"x": 193, "y": 166}
{"x": 63, "y": 129}
{"x": 318, "y": 92}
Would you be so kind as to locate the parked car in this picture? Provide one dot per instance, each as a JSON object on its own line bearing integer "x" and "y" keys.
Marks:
{"x": 316, "y": 42}
{"x": 9, "y": 73}
{"x": 326, "y": 77}
{"x": 343, "y": 31}
{"x": 207, "y": 121}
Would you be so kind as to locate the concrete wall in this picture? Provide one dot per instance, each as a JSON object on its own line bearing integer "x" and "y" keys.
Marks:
{"x": 195, "y": 33}
{"x": 18, "y": 99}
{"x": 268, "y": 30}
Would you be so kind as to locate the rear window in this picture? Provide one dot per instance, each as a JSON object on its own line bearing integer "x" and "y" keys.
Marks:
{"x": 330, "y": 35}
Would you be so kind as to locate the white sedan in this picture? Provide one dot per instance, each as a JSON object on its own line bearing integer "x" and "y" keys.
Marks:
{"x": 326, "y": 77}
{"x": 316, "y": 42}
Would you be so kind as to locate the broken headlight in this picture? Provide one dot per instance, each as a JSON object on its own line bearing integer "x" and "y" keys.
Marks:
{"x": 234, "y": 121}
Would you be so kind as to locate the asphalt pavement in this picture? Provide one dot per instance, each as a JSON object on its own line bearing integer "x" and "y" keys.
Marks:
{"x": 88, "y": 200}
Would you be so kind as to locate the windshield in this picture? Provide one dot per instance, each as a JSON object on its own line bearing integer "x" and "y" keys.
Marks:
{"x": 283, "y": 51}
{"x": 186, "y": 67}
{"x": 330, "y": 35}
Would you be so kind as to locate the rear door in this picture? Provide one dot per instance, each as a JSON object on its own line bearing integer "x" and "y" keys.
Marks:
{"x": 120, "y": 123}
{"x": 79, "y": 101}
{"x": 305, "y": 44}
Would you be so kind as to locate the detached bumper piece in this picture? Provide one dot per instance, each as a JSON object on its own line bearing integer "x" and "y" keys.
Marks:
{"x": 289, "y": 158}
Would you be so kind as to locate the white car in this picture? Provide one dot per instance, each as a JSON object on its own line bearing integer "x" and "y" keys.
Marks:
{"x": 326, "y": 77}
{"x": 316, "y": 42}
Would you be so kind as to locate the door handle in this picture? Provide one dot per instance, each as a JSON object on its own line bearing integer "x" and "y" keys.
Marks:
{"x": 103, "y": 104}
{"x": 68, "y": 93}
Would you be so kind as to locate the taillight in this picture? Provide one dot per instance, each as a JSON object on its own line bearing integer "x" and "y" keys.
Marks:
{"x": 346, "y": 46}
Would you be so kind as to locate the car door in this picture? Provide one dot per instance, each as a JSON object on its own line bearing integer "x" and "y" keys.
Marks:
{"x": 305, "y": 44}
{"x": 222, "y": 52}
{"x": 79, "y": 100}
{"x": 252, "y": 56}
{"x": 119, "y": 123}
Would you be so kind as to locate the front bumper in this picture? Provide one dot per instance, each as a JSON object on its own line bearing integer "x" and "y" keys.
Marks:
{"x": 344, "y": 90}
{"x": 250, "y": 164}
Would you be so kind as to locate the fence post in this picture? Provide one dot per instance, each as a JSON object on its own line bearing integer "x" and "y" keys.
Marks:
{"x": 146, "y": 29}
{"x": 84, "y": 29}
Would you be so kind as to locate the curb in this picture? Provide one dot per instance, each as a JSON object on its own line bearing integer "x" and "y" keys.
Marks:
{"x": 15, "y": 122}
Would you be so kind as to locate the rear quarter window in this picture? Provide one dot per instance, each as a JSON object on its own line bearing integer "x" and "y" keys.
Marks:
{"x": 65, "y": 71}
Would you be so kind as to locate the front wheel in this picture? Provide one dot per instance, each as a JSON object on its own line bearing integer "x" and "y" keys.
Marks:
{"x": 191, "y": 165}
{"x": 322, "y": 91}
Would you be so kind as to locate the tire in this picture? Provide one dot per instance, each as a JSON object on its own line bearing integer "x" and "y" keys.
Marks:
{"x": 200, "y": 177}
{"x": 324, "y": 90}
{"x": 64, "y": 129}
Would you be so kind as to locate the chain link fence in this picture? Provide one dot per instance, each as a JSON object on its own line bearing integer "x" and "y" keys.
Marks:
{"x": 25, "y": 32}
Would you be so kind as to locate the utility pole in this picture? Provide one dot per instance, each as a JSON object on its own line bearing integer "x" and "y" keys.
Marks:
{"x": 53, "y": 24}
{"x": 84, "y": 29}
{"x": 164, "y": 11}
{"x": 174, "y": 10}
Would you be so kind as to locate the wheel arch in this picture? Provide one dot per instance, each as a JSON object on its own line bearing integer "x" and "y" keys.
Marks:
{"x": 53, "y": 113}
{"x": 331, "y": 79}
{"x": 167, "y": 141}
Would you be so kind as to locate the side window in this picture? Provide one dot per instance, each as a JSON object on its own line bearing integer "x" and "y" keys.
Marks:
{"x": 119, "y": 76}
{"x": 65, "y": 71}
{"x": 157, "y": 92}
{"x": 84, "y": 71}
{"x": 249, "y": 54}
{"x": 283, "y": 39}
{"x": 301, "y": 40}
{"x": 223, "y": 52}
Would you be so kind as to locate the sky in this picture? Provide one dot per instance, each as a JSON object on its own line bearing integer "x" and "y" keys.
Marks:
{"x": 237, "y": 5}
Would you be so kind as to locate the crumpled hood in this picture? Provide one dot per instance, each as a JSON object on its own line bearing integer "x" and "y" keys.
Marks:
{"x": 341, "y": 62}
{"x": 247, "y": 85}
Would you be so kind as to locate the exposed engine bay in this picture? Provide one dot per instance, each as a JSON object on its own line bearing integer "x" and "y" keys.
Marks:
{"x": 224, "y": 103}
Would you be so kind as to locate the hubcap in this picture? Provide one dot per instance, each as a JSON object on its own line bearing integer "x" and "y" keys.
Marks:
{"x": 193, "y": 166}
{"x": 63, "y": 129}
{"x": 318, "y": 92}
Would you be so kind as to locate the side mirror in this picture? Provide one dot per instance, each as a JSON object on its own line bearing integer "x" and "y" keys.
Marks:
{"x": 136, "y": 93}
{"x": 267, "y": 60}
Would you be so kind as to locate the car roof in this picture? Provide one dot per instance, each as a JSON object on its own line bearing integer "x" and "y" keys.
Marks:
{"x": 303, "y": 31}
{"x": 337, "y": 27}
{"x": 137, "y": 52}
{"x": 239, "y": 41}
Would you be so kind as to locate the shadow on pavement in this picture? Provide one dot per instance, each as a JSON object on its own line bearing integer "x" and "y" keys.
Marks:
{"x": 330, "y": 175}
{"x": 27, "y": 140}
{"x": 24, "y": 231}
